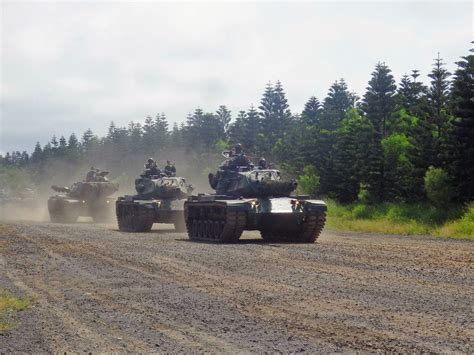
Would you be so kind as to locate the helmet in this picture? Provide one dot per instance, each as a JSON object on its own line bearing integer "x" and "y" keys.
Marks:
{"x": 168, "y": 162}
{"x": 238, "y": 148}
{"x": 150, "y": 160}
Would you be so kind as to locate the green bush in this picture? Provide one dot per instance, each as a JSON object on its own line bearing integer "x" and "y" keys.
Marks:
{"x": 402, "y": 218}
{"x": 438, "y": 187}
{"x": 309, "y": 181}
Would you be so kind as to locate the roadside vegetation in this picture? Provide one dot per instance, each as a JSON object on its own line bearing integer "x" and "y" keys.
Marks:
{"x": 403, "y": 219}
{"x": 9, "y": 305}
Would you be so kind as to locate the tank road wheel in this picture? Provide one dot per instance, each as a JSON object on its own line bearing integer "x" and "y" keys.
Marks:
{"x": 310, "y": 231}
{"x": 133, "y": 218}
{"x": 214, "y": 223}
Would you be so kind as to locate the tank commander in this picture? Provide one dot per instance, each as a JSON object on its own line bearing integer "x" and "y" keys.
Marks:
{"x": 238, "y": 158}
{"x": 170, "y": 169}
{"x": 151, "y": 168}
{"x": 91, "y": 175}
{"x": 262, "y": 163}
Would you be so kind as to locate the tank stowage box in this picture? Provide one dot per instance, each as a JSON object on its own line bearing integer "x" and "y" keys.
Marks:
{"x": 82, "y": 199}
{"x": 253, "y": 199}
{"x": 159, "y": 199}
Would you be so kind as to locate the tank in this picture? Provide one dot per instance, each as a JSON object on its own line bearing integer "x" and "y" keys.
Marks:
{"x": 83, "y": 199}
{"x": 249, "y": 198}
{"x": 159, "y": 199}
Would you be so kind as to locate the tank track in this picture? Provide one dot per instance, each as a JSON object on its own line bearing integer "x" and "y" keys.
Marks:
{"x": 310, "y": 231}
{"x": 134, "y": 218}
{"x": 61, "y": 211}
{"x": 215, "y": 224}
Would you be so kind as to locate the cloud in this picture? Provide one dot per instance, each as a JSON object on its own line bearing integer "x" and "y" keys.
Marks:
{"x": 69, "y": 66}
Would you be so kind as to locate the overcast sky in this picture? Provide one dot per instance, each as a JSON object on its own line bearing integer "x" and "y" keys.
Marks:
{"x": 68, "y": 66}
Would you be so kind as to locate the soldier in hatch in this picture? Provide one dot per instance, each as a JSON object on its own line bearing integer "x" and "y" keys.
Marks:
{"x": 170, "y": 169}
{"x": 238, "y": 158}
{"x": 151, "y": 168}
{"x": 91, "y": 175}
{"x": 262, "y": 164}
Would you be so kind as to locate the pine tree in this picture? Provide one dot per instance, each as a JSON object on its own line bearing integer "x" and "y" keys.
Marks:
{"x": 462, "y": 149}
{"x": 87, "y": 138}
{"x": 378, "y": 105}
{"x": 350, "y": 156}
{"x": 161, "y": 131}
{"x": 37, "y": 155}
{"x": 73, "y": 148}
{"x": 438, "y": 97}
{"x": 62, "y": 147}
{"x": 439, "y": 119}
{"x": 224, "y": 116}
{"x": 335, "y": 105}
{"x": 275, "y": 115}
{"x": 246, "y": 129}
{"x": 312, "y": 111}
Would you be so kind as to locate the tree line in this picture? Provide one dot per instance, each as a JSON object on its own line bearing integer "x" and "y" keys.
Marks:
{"x": 398, "y": 142}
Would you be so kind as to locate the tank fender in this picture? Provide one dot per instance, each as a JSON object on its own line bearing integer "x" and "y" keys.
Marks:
{"x": 315, "y": 205}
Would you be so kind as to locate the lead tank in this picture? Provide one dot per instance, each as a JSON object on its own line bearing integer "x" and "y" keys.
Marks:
{"x": 249, "y": 198}
{"x": 83, "y": 199}
{"x": 159, "y": 199}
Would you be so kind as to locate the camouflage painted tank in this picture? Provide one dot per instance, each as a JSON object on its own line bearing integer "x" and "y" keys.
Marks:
{"x": 82, "y": 199}
{"x": 159, "y": 199}
{"x": 250, "y": 198}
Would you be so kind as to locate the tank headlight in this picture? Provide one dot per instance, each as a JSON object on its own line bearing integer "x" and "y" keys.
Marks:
{"x": 254, "y": 204}
{"x": 108, "y": 201}
{"x": 83, "y": 201}
{"x": 295, "y": 203}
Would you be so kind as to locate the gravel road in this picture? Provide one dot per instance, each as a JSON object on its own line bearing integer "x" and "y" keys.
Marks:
{"x": 97, "y": 289}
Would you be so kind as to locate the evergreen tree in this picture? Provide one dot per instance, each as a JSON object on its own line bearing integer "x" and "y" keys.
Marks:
{"x": 224, "y": 116}
{"x": 350, "y": 155}
{"x": 37, "y": 155}
{"x": 87, "y": 139}
{"x": 378, "y": 105}
{"x": 335, "y": 105}
{"x": 462, "y": 149}
{"x": 62, "y": 148}
{"x": 161, "y": 131}
{"x": 246, "y": 129}
{"x": 275, "y": 115}
{"x": 438, "y": 96}
{"x": 439, "y": 119}
{"x": 312, "y": 111}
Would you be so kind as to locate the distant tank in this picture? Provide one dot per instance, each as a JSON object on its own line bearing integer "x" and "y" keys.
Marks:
{"x": 159, "y": 199}
{"x": 83, "y": 199}
{"x": 249, "y": 198}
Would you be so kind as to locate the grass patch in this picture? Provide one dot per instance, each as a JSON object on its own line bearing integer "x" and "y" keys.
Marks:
{"x": 8, "y": 306}
{"x": 403, "y": 219}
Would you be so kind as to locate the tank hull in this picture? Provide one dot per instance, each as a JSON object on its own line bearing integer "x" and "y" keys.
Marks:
{"x": 139, "y": 215}
{"x": 223, "y": 219}
{"x": 63, "y": 209}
